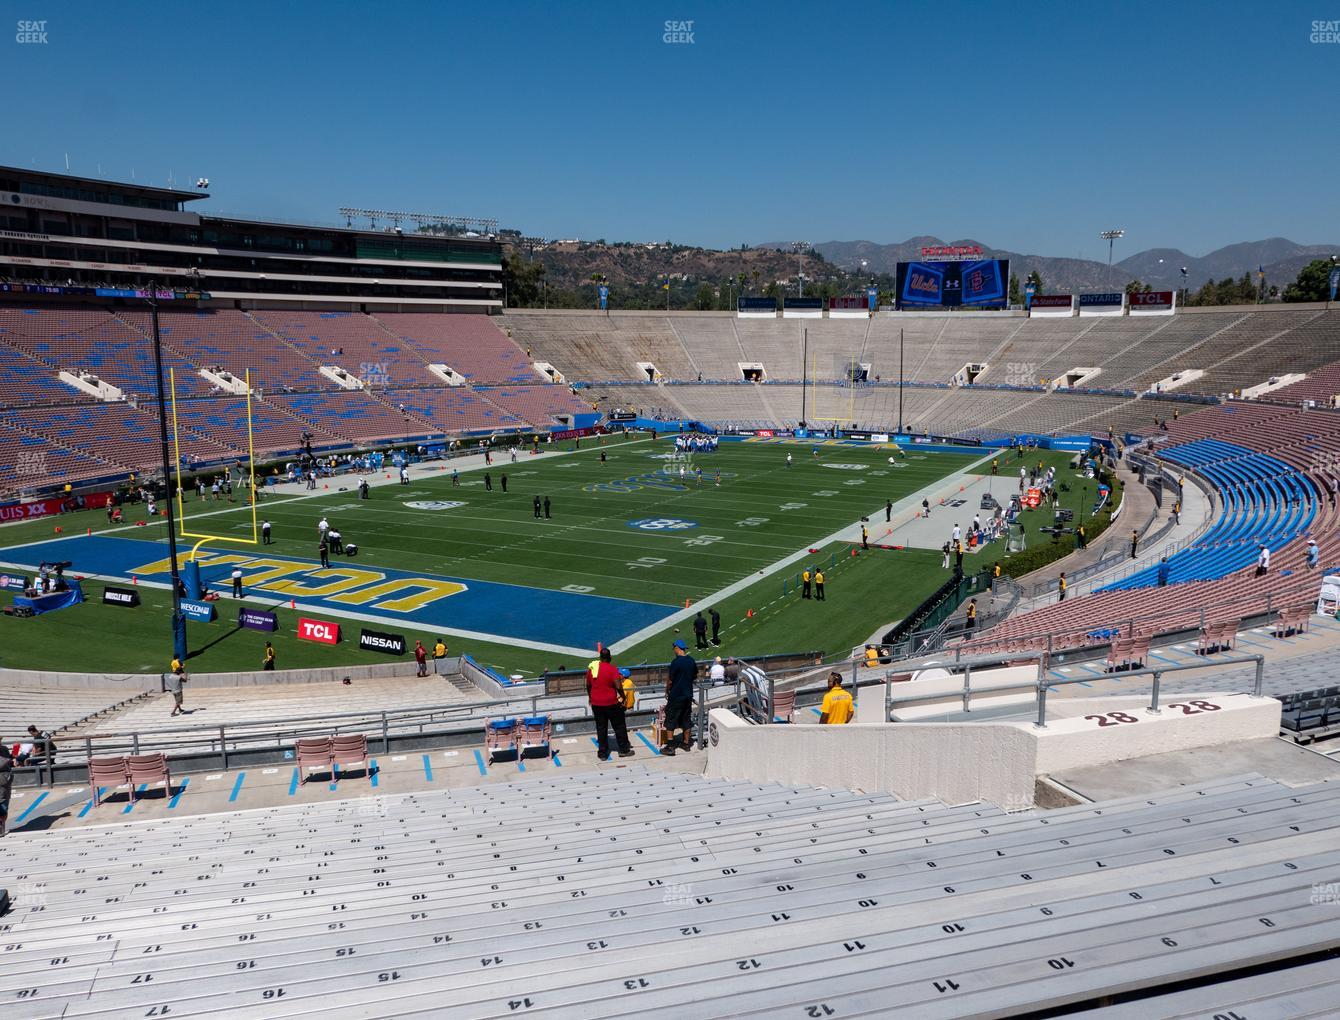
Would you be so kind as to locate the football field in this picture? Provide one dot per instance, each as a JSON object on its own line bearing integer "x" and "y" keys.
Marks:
{"x": 634, "y": 533}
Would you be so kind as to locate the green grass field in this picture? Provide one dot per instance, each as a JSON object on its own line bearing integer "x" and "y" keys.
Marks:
{"x": 702, "y": 538}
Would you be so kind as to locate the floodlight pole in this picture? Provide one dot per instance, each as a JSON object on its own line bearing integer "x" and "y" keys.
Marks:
{"x": 804, "y": 372}
{"x": 178, "y": 620}
{"x": 900, "y": 381}
{"x": 1111, "y": 237}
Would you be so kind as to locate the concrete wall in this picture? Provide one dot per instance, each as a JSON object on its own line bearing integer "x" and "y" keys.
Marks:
{"x": 955, "y": 763}
{"x": 964, "y": 762}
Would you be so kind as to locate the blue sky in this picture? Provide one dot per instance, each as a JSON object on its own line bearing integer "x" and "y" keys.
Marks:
{"x": 1027, "y": 126}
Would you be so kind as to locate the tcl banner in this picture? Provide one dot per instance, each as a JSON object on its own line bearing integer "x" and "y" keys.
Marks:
{"x": 1152, "y": 301}
{"x": 321, "y": 631}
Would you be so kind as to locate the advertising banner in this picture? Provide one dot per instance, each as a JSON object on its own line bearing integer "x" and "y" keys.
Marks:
{"x": 257, "y": 619}
{"x": 321, "y": 631}
{"x": 381, "y": 641}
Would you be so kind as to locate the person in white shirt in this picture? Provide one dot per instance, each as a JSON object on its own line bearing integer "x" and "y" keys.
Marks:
{"x": 1263, "y": 561}
{"x": 958, "y": 532}
{"x": 322, "y": 526}
{"x": 717, "y": 672}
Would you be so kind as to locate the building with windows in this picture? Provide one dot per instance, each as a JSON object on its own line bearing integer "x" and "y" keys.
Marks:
{"x": 72, "y": 236}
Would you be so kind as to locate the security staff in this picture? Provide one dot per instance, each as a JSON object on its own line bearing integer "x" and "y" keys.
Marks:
{"x": 818, "y": 585}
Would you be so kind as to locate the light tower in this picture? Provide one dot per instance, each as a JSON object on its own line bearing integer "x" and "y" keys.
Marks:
{"x": 1111, "y": 237}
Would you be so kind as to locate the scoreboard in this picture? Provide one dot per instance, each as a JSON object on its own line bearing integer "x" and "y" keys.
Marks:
{"x": 980, "y": 283}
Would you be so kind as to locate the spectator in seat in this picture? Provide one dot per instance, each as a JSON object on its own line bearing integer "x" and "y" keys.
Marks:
{"x": 604, "y": 690}
{"x": 836, "y": 709}
{"x": 44, "y": 746}
{"x": 717, "y": 671}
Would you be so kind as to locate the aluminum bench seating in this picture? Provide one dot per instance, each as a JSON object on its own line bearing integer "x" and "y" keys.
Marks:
{"x": 428, "y": 925}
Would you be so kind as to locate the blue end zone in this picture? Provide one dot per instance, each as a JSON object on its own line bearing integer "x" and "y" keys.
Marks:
{"x": 505, "y": 610}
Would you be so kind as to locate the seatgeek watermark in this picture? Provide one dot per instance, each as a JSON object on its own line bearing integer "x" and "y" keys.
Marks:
{"x": 677, "y": 33}
{"x": 1322, "y": 32}
{"x": 30, "y": 33}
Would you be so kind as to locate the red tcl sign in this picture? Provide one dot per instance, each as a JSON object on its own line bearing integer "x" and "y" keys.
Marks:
{"x": 324, "y": 631}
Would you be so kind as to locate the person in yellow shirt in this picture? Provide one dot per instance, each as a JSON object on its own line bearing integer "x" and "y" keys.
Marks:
{"x": 837, "y": 708}
{"x": 819, "y": 585}
{"x": 439, "y": 653}
{"x": 871, "y": 656}
{"x": 805, "y": 583}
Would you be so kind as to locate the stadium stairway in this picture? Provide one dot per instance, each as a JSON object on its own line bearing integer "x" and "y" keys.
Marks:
{"x": 617, "y": 892}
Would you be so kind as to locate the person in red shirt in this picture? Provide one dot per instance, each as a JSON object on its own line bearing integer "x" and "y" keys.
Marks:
{"x": 604, "y": 689}
{"x": 421, "y": 657}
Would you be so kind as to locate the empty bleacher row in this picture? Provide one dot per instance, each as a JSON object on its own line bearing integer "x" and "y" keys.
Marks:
{"x": 1263, "y": 502}
{"x": 1275, "y": 484}
{"x": 55, "y": 710}
{"x": 620, "y": 893}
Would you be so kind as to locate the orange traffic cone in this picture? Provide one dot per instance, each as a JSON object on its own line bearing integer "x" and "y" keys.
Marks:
{"x": 853, "y": 551}
{"x": 57, "y": 531}
{"x": 749, "y": 615}
{"x": 90, "y": 531}
{"x": 686, "y": 603}
{"x": 134, "y": 580}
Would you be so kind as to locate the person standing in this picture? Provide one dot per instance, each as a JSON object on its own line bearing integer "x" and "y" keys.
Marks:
{"x": 268, "y": 663}
{"x": 336, "y": 540}
{"x": 805, "y": 583}
{"x": 455, "y": 478}
{"x": 972, "y": 615}
{"x": 788, "y": 459}
{"x": 716, "y": 625}
{"x": 602, "y": 458}
{"x": 513, "y": 453}
{"x": 546, "y": 508}
{"x": 1135, "y": 542}
{"x": 818, "y": 584}
{"x": 604, "y": 690}
{"x": 421, "y": 658}
{"x": 1177, "y": 511}
{"x": 1061, "y": 587}
{"x": 958, "y": 557}
{"x": 537, "y": 508}
{"x": 265, "y": 532}
{"x": 237, "y": 582}
{"x": 404, "y": 474}
{"x": 1080, "y": 540}
{"x": 944, "y": 562}
{"x": 865, "y": 538}
{"x": 700, "y": 630}
{"x": 322, "y": 526}
{"x": 439, "y": 656}
{"x": 488, "y": 482}
{"x": 6, "y": 784}
{"x": 926, "y": 508}
{"x": 1263, "y": 561}
{"x": 504, "y": 483}
{"x": 323, "y": 551}
{"x": 173, "y": 681}
{"x": 679, "y": 682}
{"x": 888, "y": 511}
{"x": 1313, "y": 554}
{"x": 1163, "y": 573}
{"x": 837, "y": 708}
{"x": 957, "y": 534}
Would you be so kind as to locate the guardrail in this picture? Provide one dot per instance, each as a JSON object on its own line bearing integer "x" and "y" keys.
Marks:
{"x": 1040, "y": 685}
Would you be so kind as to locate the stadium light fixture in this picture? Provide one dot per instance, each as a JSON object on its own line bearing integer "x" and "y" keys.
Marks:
{"x": 800, "y": 247}
{"x": 1111, "y": 237}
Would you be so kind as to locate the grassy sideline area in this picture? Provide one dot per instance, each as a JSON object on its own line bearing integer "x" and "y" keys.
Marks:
{"x": 607, "y": 536}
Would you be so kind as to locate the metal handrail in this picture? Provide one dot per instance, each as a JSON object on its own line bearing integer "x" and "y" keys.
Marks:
{"x": 1043, "y": 683}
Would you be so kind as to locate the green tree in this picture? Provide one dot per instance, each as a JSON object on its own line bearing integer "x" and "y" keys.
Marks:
{"x": 1016, "y": 296}
{"x": 705, "y": 298}
{"x": 1136, "y": 287}
{"x": 1313, "y": 283}
{"x": 522, "y": 281}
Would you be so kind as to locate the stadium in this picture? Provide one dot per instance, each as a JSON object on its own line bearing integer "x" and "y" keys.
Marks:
{"x": 963, "y": 656}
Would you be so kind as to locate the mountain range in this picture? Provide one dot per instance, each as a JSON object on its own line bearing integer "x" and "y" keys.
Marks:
{"x": 1160, "y": 267}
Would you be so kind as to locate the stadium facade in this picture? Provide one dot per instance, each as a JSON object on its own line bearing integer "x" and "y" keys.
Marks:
{"x": 63, "y": 236}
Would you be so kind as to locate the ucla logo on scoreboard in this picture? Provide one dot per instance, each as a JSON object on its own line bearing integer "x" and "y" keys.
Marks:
{"x": 434, "y": 504}
{"x": 662, "y": 524}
